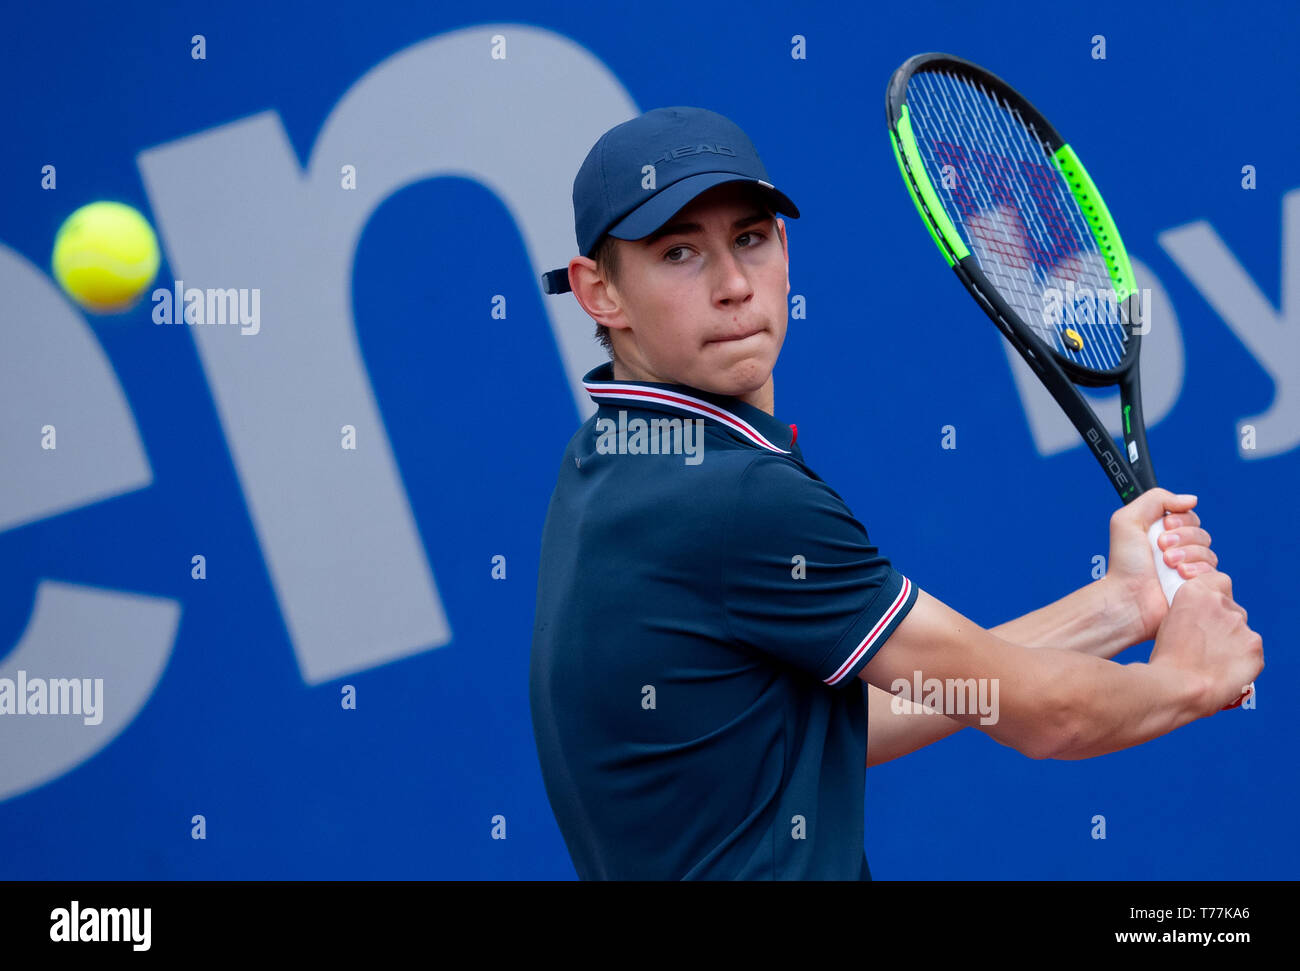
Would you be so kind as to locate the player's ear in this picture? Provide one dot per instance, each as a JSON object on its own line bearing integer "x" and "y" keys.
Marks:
{"x": 591, "y": 291}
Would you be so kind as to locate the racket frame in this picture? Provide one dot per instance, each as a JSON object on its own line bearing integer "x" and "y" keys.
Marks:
{"x": 1130, "y": 472}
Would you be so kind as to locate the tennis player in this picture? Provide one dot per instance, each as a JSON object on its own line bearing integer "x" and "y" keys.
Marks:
{"x": 719, "y": 651}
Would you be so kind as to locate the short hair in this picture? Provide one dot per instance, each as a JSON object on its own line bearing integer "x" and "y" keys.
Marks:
{"x": 606, "y": 256}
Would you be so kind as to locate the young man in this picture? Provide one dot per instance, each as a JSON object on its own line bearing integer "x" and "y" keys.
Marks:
{"x": 719, "y": 650}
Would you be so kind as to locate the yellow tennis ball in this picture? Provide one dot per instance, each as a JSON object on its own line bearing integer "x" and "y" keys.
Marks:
{"x": 105, "y": 255}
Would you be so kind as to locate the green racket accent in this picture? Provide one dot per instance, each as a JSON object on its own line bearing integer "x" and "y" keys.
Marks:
{"x": 942, "y": 231}
{"x": 1128, "y": 425}
{"x": 917, "y": 202}
{"x": 1099, "y": 220}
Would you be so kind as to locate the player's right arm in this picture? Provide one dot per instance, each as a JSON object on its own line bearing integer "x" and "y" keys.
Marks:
{"x": 1055, "y": 703}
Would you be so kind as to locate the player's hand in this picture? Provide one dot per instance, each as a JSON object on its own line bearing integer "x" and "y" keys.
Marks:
{"x": 1132, "y": 570}
{"x": 1205, "y": 634}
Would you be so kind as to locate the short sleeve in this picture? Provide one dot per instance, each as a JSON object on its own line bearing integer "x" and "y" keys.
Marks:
{"x": 801, "y": 580}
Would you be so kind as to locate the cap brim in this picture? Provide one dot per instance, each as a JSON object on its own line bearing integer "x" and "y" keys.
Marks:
{"x": 656, "y": 211}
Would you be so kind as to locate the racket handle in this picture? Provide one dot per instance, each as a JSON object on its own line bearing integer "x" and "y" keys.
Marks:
{"x": 1169, "y": 578}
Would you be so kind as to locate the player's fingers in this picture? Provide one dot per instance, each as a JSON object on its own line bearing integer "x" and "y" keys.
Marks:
{"x": 1184, "y": 536}
{"x": 1188, "y": 569}
{"x": 1188, "y": 546}
{"x": 1175, "y": 501}
{"x": 1181, "y": 555}
{"x": 1220, "y": 581}
{"x": 1151, "y": 506}
{"x": 1191, "y": 554}
{"x": 1188, "y": 518}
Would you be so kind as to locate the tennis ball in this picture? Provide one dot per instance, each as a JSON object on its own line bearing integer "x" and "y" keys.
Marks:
{"x": 105, "y": 255}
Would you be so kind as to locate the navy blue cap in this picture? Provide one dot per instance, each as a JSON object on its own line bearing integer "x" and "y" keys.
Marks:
{"x": 691, "y": 150}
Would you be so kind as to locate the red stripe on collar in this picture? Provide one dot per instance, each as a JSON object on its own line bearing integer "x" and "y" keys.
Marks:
{"x": 614, "y": 391}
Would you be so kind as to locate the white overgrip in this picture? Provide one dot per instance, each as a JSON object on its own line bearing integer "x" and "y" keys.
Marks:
{"x": 1169, "y": 578}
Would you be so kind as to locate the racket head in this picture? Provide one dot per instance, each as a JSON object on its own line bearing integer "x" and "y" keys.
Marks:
{"x": 1014, "y": 211}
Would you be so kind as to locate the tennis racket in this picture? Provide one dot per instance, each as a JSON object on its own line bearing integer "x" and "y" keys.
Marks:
{"x": 1015, "y": 214}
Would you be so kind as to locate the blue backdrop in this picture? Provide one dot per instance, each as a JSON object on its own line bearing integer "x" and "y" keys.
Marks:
{"x": 406, "y": 305}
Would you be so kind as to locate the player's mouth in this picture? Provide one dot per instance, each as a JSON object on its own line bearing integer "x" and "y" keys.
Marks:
{"x": 738, "y": 337}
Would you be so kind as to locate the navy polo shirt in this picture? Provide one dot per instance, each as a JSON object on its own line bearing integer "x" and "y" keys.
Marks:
{"x": 704, "y": 606}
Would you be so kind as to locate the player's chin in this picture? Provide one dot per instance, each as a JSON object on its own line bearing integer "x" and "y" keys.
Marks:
{"x": 739, "y": 367}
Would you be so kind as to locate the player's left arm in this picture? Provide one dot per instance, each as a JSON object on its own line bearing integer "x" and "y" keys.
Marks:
{"x": 1123, "y": 608}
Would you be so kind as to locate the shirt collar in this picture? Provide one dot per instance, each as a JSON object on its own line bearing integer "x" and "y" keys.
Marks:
{"x": 743, "y": 420}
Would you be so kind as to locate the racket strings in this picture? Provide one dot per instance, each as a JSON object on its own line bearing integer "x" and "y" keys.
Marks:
{"x": 1021, "y": 223}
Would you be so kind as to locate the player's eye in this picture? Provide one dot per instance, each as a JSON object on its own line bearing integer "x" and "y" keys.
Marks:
{"x": 754, "y": 236}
